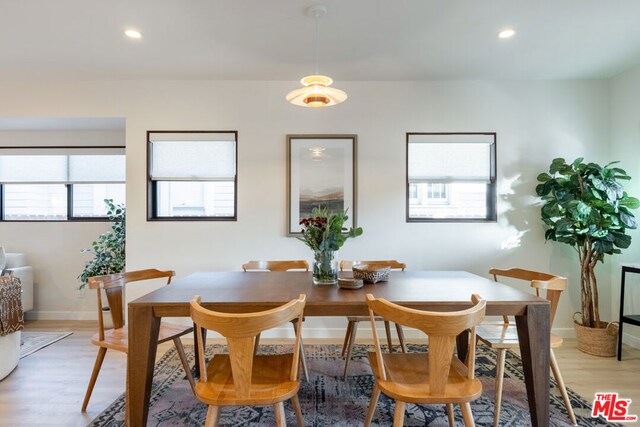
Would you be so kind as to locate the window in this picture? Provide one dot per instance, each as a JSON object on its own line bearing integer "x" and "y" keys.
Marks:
{"x": 192, "y": 175}
{"x": 437, "y": 194}
{"x": 60, "y": 183}
{"x": 451, "y": 177}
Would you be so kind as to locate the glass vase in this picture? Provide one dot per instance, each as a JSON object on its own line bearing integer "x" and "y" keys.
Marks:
{"x": 325, "y": 268}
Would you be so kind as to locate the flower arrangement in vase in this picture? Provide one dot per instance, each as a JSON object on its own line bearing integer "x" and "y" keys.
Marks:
{"x": 325, "y": 233}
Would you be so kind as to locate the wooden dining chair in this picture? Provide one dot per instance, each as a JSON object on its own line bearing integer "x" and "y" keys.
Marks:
{"x": 504, "y": 335}
{"x": 242, "y": 378}
{"x": 352, "y": 325}
{"x": 285, "y": 265}
{"x": 298, "y": 264}
{"x": 433, "y": 377}
{"x": 117, "y": 337}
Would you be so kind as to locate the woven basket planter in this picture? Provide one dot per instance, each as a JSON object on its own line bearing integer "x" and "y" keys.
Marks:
{"x": 597, "y": 341}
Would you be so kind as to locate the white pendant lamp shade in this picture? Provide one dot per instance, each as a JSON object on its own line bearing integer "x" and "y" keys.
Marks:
{"x": 317, "y": 92}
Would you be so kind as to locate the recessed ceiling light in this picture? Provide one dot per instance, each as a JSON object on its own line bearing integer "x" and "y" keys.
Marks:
{"x": 505, "y": 34}
{"x": 133, "y": 34}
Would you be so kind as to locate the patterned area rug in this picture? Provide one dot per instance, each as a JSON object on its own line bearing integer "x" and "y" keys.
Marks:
{"x": 327, "y": 400}
{"x": 30, "y": 342}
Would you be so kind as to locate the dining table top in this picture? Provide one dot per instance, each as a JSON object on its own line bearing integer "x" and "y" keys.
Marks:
{"x": 254, "y": 291}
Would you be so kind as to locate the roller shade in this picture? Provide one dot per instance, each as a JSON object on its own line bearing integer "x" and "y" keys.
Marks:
{"x": 195, "y": 156}
{"x": 450, "y": 158}
{"x": 27, "y": 167}
{"x": 97, "y": 169}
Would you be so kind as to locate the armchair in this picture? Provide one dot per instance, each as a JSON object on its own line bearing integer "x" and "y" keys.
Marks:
{"x": 17, "y": 266}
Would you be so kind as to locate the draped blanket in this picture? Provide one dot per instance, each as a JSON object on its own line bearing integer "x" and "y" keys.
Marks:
{"x": 11, "y": 315}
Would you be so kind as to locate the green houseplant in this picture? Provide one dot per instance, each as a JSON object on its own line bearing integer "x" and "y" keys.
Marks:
{"x": 586, "y": 207}
{"x": 109, "y": 248}
{"x": 325, "y": 233}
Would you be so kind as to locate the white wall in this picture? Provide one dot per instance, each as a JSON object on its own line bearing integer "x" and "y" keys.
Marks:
{"x": 535, "y": 122}
{"x": 625, "y": 144}
{"x": 53, "y": 249}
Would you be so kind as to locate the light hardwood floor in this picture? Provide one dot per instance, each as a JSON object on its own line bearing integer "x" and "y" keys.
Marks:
{"x": 48, "y": 386}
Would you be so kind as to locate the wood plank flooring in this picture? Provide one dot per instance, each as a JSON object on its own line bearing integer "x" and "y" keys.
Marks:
{"x": 48, "y": 386}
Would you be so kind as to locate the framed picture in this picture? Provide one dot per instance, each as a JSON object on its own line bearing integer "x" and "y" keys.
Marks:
{"x": 321, "y": 172}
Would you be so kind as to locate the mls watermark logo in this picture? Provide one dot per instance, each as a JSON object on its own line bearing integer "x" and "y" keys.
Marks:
{"x": 612, "y": 408}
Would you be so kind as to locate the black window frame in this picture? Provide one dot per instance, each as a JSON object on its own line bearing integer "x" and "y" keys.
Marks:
{"x": 152, "y": 186}
{"x": 491, "y": 193}
{"x": 68, "y": 186}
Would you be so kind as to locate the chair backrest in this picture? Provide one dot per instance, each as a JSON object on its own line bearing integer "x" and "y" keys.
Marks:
{"x": 442, "y": 329}
{"x": 554, "y": 285}
{"x": 240, "y": 330}
{"x": 395, "y": 265}
{"x": 113, "y": 285}
{"x": 298, "y": 264}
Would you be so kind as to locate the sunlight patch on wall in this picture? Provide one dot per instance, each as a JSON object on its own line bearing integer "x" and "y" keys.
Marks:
{"x": 514, "y": 241}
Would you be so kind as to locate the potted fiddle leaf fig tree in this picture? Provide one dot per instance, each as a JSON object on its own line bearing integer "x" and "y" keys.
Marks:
{"x": 586, "y": 207}
{"x": 108, "y": 251}
{"x": 109, "y": 248}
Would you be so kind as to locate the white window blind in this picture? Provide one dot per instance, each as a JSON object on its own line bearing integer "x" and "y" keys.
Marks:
{"x": 30, "y": 169}
{"x": 33, "y": 166}
{"x": 96, "y": 169}
{"x": 450, "y": 158}
{"x": 193, "y": 156}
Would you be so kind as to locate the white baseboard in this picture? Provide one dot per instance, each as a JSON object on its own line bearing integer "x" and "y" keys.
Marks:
{"x": 365, "y": 332}
{"x": 60, "y": 315}
{"x": 630, "y": 340}
{"x": 564, "y": 332}
{"x": 627, "y": 338}
{"x": 309, "y": 331}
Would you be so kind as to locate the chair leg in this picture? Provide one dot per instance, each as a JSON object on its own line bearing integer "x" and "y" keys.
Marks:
{"x": 352, "y": 340}
{"x": 467, "y": 415}
{"x": 278, "y": 409}
{"x": 372, "y": 405}
{"x": 398, "y": 414}
{"x": 213, "y": 414}
{"x": 196, "y": 351}
{"x": 296, "y": 408}
{"x": 502, "y": 353}
{"x": 184, "y": 361}
{"x": 387, "y": 329}
{"x": 347, "y": 335}
{"x": 303, "y": 357}
{"x": 451, "y": 415}
{"x": 256, "y": 344}
{"x": 400, "y": 332}
{"x": 563, "y": 390}
{"x": 94, "y": 376}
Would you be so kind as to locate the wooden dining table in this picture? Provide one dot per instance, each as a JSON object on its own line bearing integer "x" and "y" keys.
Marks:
{"x": 240, "y": 292}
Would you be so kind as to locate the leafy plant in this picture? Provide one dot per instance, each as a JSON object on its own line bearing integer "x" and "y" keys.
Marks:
{"x": 586, "y": 207}
{"x": 109, "y": 248}
{"x": 326, "y": 232}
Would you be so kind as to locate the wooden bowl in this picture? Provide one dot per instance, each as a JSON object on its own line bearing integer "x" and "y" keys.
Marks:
{"x": 350, "y": 283}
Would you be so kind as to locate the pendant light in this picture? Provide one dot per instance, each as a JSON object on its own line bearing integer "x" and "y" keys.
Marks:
{"x": 317, "y": 90}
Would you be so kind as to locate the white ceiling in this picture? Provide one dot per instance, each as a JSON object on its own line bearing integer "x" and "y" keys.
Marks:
{"x": 358, "y": 39}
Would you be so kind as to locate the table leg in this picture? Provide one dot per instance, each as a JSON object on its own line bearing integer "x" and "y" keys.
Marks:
{"x": 143, "y": 343}
{"x": 534, "y": 332}
{"x": 462, "y": 344}
{"x": 620, "y": 322}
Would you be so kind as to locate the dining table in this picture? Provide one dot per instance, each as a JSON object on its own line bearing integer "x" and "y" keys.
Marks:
{"x": 242, "y": 292}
